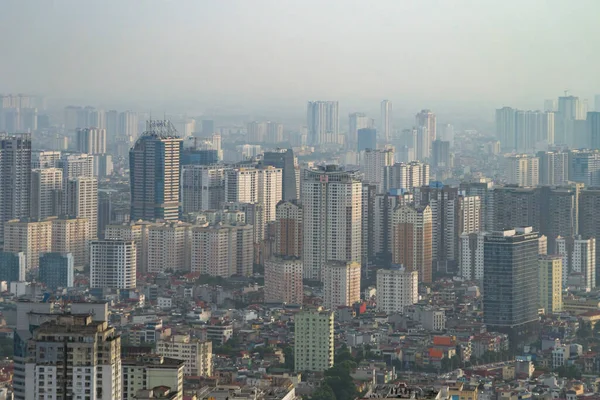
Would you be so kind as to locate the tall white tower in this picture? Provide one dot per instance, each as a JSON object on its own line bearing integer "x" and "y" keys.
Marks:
{"x": 386, "y": 120}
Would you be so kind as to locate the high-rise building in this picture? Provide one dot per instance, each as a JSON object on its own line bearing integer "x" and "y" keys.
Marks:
{"x": 45, "y": 159}
{"x": 128, "y": 124}
{"x": 523, "y": 170}
{"x": 483, "y": 188}
{"x": 427, "y": 119}
{"x": 76, "y": 165}
{"x": 471, "y": 255}
{"x": 369, "y": 193}
{"x": 256, "y": 131}
{"x": 196, "y": 354}
{"x": 550, "y": 283}
{"x": 593, "y": 130}
{"x": 154, "y": 173}
{"x": 56, "y": 270}
{"x": 513, "y": 206}
{"x": 208, "y": 127}
{"x": 149, "y": 371}
{"x": 376, "y": 163}
{"x": 332, "y": 205}
{"x": 202, "y": 188}
{"x": 113, "y": 264}
{"x": 283, "y": 280}
{"x": 558, "y": 213}
{"x": 570, "y": 109}
{"x": 289, "y": 229}
{"x": 136, "y": 231}
{"x": 274, "y": 132}
{"x": 71, "y": 356}
{"x": 341, "y": 284}
{"x": 254, "y": 215}
{"x": 382, "y": 224}
{"x": 112, "y": 124}
{"x": 534, "y": 130}
{"x": 314, "y": 340}
{"x": 357, "y": 121}
{"x": 12, "y": 266}
{"x": 550, "y": 105}
{"x": 553, "y": 167}
{"x": 412, "y": 240}
{"x": 91, "y": 140}
{"x": 82, "y": 201}
{"x": 46, "y": 192}
{"x": 72, "y": 235}
{"x": 397, "y": 288}
{"x": 367, "y": 139}
{"x": 510, "y": 283}
{"x": 386, "y": 120}
{"x": 589, "y": 218}
{"x": 323, "y": 120}
{"x": 169, "y": 246}
{"x": 285, "y": 160}
{"x": 223, "y": 250}
{"x": 30, "y": 237}
{"x": 584, "y": 167}
{"x": 578, "y": 259}
{"x": 406, "y": 176}
{"x": 15, "y": 177}
{"x": 506, "y": 128}
{"x": 440, "y": 154}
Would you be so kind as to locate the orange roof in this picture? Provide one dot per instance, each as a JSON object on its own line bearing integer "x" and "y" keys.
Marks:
{"x": 443, "y": 341}
{"x": 436, "y": 353}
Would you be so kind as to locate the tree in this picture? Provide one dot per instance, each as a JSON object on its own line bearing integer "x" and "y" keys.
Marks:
{"x": 339, "y": 380}
{"x": 584, "y": 331}
{"x": 569, "y": 372}
{"x": 288, "y": 354}
{"x": 343, "y": 354}
{"x": 323, "y": 393}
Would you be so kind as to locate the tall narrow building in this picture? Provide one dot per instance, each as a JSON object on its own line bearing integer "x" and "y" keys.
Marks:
{"x": 46, "y": 192}
{"x": 578, "y": 260}
{"x": 332, "y": 204}
{"x": 82, "y": 201}
{"x": 154, "y": 173}
{"x": 341, "y": 284}
{"x": 386, "y": 120}
{"x": 285, "y": 160}
{"x": 323, "y": 122}
{"x": 376, "y": 163}
{"x": 550, "y": 283}
{"x": 112, "y": 264}
{"x": 506, "y": 128}
{"x": 357, "y": 121}
{"x": 523, "y": 170}
{"x": 289, "y": 229}
{"x": 15, "y": 178}
{"x": 427, "y": 119}
{"x": 553, "y": 167}
{"x": 91, "y": 140}
{"x": 314, "y": 346}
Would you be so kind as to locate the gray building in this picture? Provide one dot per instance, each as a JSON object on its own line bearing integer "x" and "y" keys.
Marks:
{"x": 12, "y": 266}
{"x": 284, "y": 159}
{"x": 56, "y": 270}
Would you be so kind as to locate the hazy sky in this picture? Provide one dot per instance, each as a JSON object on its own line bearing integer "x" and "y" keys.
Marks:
{"x": 421, "y": 53}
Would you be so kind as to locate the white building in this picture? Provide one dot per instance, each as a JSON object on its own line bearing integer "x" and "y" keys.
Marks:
{"x": 202, "y": 187}
{"x": 386, "y": 120}
{"x": 46, "y": 191}
{"x": 396, "y": 289}
{"x": 406, "y": 176}
{"x": 523, "y": 170}
{"x": 471, "y": 255}
{"x": 314, "y": 340}
{"x": 196, "y": 354}
{"x": 255, "y": 185}
{"x": 341, "y": 284}
{"x": 578, "y": 258}
{"x": 323, "y": 121}
{"x": 82, "y": 201}
{"x": 91, "y": 140}
{"x": 332, "y": 205}
{"x": 169, "y": 246}
{"x": 375, "y": 164}
{"x": 283, "y": 280}
{"x": 113, "y": 264}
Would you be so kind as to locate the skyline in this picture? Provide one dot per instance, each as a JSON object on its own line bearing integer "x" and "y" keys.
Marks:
{"x": 201, "y": 54}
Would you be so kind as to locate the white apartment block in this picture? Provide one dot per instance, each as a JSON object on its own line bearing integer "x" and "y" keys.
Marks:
{"x": 375, "y": 164}
{"x": 136, "y": 231}
{"x": 406, "y": 176}
{"x": 31, "y": 238}
{"x": 341, "y": 284}
{"x": 202, "y": 187}
{"x": 46, "y": 189}
{"x": 578, "y": 258}
{"x": 396, "y": 289}
{"x": 470, "y": 256}
{"x": 169, "y": 247}
{"x": 523, "y": 170}
{"x": 196, "y": 354}
{"x": 150, "y": 371}
{"x": 332, "y": 221}
{"x": 113, "y": 264}
{"x": 314, "y": 341}
{"x": 91, "y": 140}
{"x": 82, "y": 201}
{"x": 255, "y": 185}
{"x": 283, "y": 281}
{"x": 72, "y": 235}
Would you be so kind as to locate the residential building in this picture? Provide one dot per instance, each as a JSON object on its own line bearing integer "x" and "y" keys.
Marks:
{"x": 406, "y": 176}
{"x": 149, "y": 371}
{"x": 397, "y": 288}
{"x": 440, "y": 154}
{"x": 91, "y": 140}
{"x": 323, "y": 122}
{"x": 427, "y": 119}
{"x": 314, "y": 340}
{"x": 550, "y": 283}
{"x": 283, "y": 280}
{"x": 113, "y": 264}
{"x": 196, "y": 354}
{"x": 375, "y": 164}
{"x": 46, "y": 192}
{"x": 386, "y": 120}
{"x": 553, "y": 167}
{"x": 584, "y": 167}
{"x": 154, "y": 163}
{"x": 412, "y": 240}
{"x": 137, "y": 232}
{"x": 341, "y": 284}
{"x": 30, "y": 237}
{"x": 56, "y": 270}
{"x": 578, "y": 258}
{"x": 285, "y": 160}
{"x": 72, "y": 235}
{"x": 357, "y": 121}
{"x": 593, "y": 129}
{"x": 82, "y": 201}
{"x": 589, "y": 218}
{"x": 289, "y": 228}
{"x": 367, "y": 139}
{"x": 169, "y": 246}
{"x": 506, "y": 128}
{"x": 332, "y": 206}
{"x": 12, "y": 266}
{"x": 523, "y": 171}
{"x": 471, "y": 255}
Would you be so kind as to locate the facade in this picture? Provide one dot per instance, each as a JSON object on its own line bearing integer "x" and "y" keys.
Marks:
{"x": 82, "y": 201}
{"x": 386, "y": 120}
{"x": 356, "y": 121}
{"x": 149, "y": 371}
{"x": 72, "y": 235}
{"x": 506, "y": 128}
{"x": 137, "y": 232}
{"x": 91, "y": 140}
{"x": 12, "y": 266}
{"x": 223, "y": 250}
{"x": 285, "y": 160}
{"x": 46, "y": 192}
{"x": 593, "y": 129}
{"x": 553, "y": 167}
{"x": 202, "y": 187}
{"x": 56, "y": 270}
{"x": 375, "y": 164}
{"x": 30, "y": 237}
{"x": 523, "y": 171}
{"x": 15, "y": 178}
{"x": 196, "y": 354}
{"x": 584, "y": 167}
{"x": 382, "y": 224}
{"x": 471, "y": 255}
{"x": 396, "y": 289}
{"x": 76, "y": 165}
{"x": 314, "y": 341}
{"x": 323, "y": 122}
{"x": 406, "y": 176}
{"x": 412, "y": 240}
{"x": 283, "y": 280}
{"x": 578, "y": 259}
{"x": 510, "y": 283}
{"x": 332, "y": 205}
{"x": 427, "y": 119}
{"x": 367, "y": 139}
{"x": 169, "y": 246}
{"x": 550, "y": 283}
{"x": 155, "y": 172}
{"x": 112, "y": 264}
{"x": 440, "y": 154}
{"x": 589, "y": 218}
{"x": 341, "y": 284}
{"x": 288, "y": 235}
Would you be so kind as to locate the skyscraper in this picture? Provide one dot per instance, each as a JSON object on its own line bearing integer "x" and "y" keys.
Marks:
{"x": 289, "y": 229}
{"x": 510, "y": 283}
{"x": 506, "y": 128}
{"x": 386, "y": 120}
{"x": 471, "y": 247}
{"x": 285, "y": 160}
{"x": 578, "y": 259}
{"x": 12, "y": 266}
{"x": 570, "y": 110}
{"x": 550, "y": 283}
{"x": 593, "y": 129}
{"x": 256, "y": 131}
{"x": 154, "y": 173}
{"x": 56, "y": 270}
{"x": 113, "y": 264}
{"x": 30, "y": 237}
{"x": 283, "y": 280}
{"x": 314, "y": 346}
{"x": 406, "y": 176}
{"x": 91, "y": 140}
{"x": 255, "y": 186}
{"x": 128, "y": 124}
{"x": 367, "y": 139}
{"x": 584, "y": 167}
{"x": 71, "y": 235}
{"x": 357, "y": 121}
{"x": 82, "y": 201}
{"x": 15, "y": 177}
{"x": 553, "y": 167}
{"x": 341, "y": 284}
{"x": 323, "y": 122}
{"x": 375, "y": 164}
{"x": 169, "y": 246}
{"x": 440, "y": 154}
{"x": 397, "y": 288}
{"x": 523, "y": 170}
{"x": 202, "y": 187}
{"x": 427, "y": 119}
{"x": 332, "y": 203}
{"x": 46, "y": 192}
